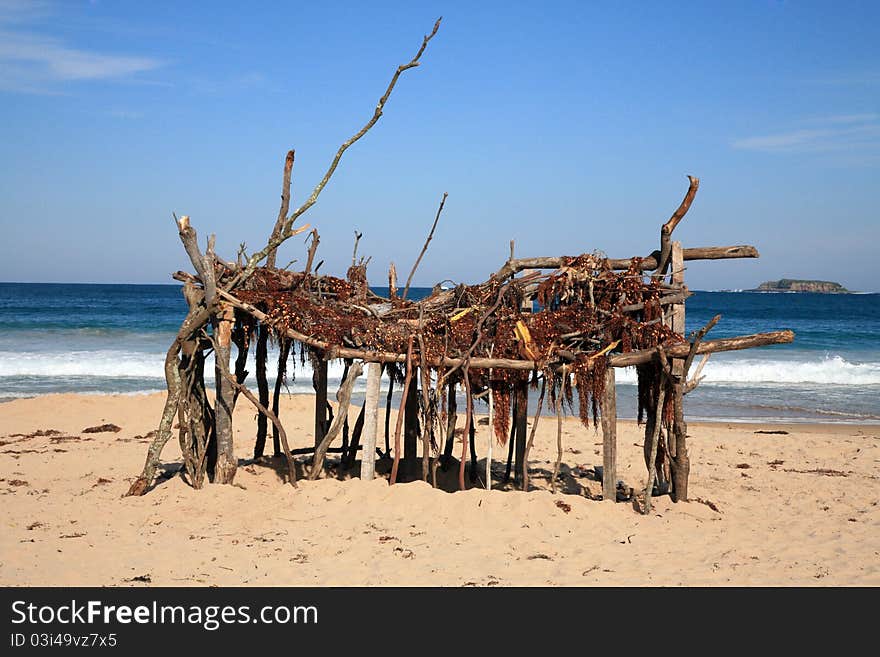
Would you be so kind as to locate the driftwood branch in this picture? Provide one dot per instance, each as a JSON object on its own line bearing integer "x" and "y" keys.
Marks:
{"x": 380, "y": 107}
{"x": 287, "y": 230}
{"x": 649, "y": 263}
{"x": 425, "y": 247}
{"x": 285, "y": 206}
{"x": 343, "y": 396}
{"x": 674, "y": 220}
{"x": 313, "y": 247}
{"x": 525, "y": 472}
{"x": 282, "y": 434}
{"x": 396, "y": 464}
{"x": 354, "y": 253}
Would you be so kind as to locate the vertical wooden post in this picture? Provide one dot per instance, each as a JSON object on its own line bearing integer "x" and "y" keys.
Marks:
{"x": 262, "y": 354}
{"x": 520, "y": 421}
{"x": 678, "y": 319}
{"x": 224, "y": 469}
{"x": 680, "y": 463}
{"x": 371, "y": 421}
{"x": 491, "y": 435}
{"x": 276, "y": 397}
{"x": 319, "y": 383}
{"x": 609, "y": 437}
{"x": 451, "y": 418}
{"x": 411, "y": 431}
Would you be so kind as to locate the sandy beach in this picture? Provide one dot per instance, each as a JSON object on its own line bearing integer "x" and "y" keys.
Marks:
{"x": 792, "y": 509}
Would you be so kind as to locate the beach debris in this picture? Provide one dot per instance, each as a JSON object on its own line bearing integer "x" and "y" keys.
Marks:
{"x": 34, "y": 525}
{"x": 139, "y": 578}
{"x": 36, "y": 434}
{"x": 103, "y": 428}
{"x": 743, "y": 466}
{"x": 67, "y": 439}
{"x": 566, "y": 508}
{"x": 818, "y": 471}
{"x": 708, "y": 503}
{"x": 539, "y": 556}
{"x": 775, "y": 432}
{"x": 404, "y": 553}
{"x": 17, "y": 482}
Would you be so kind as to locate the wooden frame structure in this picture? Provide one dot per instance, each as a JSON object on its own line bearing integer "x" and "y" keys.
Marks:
{"x": 555, "y": 322}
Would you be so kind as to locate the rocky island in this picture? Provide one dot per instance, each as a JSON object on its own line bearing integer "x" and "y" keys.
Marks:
{"x": 795, "y": 285}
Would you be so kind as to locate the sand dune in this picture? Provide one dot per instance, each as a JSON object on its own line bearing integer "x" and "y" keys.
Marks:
{"x": 799, "y": 509}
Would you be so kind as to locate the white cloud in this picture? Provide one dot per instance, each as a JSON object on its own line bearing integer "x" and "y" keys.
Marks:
{"x": 31, "y": 62}
{"x": 842, "y": 132}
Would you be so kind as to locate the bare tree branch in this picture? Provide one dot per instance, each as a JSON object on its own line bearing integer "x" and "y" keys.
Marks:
{"x": 360, "y": 133}
{"x": 285, "y": 205}
{"x": 425, "y": 247}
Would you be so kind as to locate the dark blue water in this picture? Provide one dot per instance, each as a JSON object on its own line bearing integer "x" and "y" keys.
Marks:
{"x": 112, "y": 338}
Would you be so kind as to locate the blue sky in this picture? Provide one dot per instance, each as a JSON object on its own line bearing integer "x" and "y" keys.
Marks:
{"x": 566, "y": 126}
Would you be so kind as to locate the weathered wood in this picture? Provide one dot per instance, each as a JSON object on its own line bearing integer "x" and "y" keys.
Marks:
{"x": 608, "y": 408}
{"x": 472, "y": 438}
{"x": 669, "y": 226}
{"x": 491, "y": 435}
{"x": 649, "y": 263}
{"x": 291, "y": 466}
{"x": 400, "y": 413}
{"x": 654, "y": 439}
{"x": 469, "y": 415}
{"x": 343, "y": 397}
{"x": 425, "y": 247}
{"x": 520, "y": 420}
{"x": 388, "y": 398}
{"x": 276, "y": 395}
{"x": 224, "y": 469}
{"x": 511, "y": 442}
{"x": 615, "y": 360}
{"x": 349, "y": 453}
{"x": 451, "y": 419}
{"x": 319, "y": 383}
{"x": 677, "y": 323}
{"x": 262, "y": 387}
{"x": 412, "y": 426}
{"x": 371, "y": 421}
{"x": 709, "y": 346}
{"x": 532, "y": 433}
{"x": 285, "y": 206}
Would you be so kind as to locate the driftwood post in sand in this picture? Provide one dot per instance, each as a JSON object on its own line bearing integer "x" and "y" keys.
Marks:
{"x": 319, "y": 383}
{"x": 520, "y": 421}
{"x": 608, "y": 407}
{"x": 226, "y": 464}
{"x": 371, "y": 421}
{"x": 343, "y": 397}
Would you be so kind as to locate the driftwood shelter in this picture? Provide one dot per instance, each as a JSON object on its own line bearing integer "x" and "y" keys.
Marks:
{"x": 560, "y": 325}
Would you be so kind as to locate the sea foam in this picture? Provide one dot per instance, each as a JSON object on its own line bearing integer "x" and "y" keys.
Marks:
{"x": 832, "y": 370}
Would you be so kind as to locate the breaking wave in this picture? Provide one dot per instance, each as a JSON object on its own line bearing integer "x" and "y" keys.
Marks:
{"x": 833, "y": 370}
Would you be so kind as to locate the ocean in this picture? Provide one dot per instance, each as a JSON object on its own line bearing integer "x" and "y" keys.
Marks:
{"x": 109, "y": 339}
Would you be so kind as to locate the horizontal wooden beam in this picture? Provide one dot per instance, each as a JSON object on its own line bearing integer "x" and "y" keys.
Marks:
{"x": 709, "y": 346}
{"x": 649, "y": 263}
{"x": 616, "y": 360}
